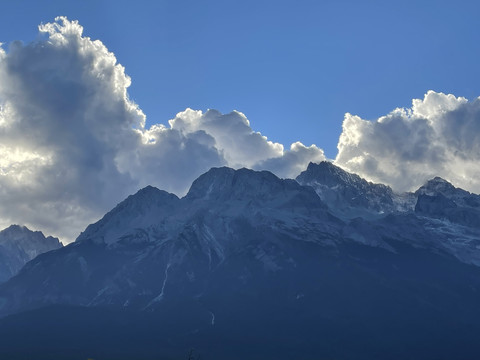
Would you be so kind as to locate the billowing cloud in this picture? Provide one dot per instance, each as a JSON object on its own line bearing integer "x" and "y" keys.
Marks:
{"x": 293, "y": 161}
{"x": 72, "y": 143}
{"x": 242, "y": 147}
{"x": 437, "y": 136}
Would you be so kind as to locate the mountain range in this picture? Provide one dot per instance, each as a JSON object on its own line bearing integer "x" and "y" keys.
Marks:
{"x": 248, "y": 265}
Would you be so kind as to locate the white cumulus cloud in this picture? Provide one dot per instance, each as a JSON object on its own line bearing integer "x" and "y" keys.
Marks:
{"x": 438, "y": 136}
{"x": 72, "y": 143}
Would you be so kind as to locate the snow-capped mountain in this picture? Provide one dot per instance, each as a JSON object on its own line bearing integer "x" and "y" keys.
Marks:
{"x": 441, "y": 200}
{"x": 436, "y": 216}
{"x": 350, "y": 196}
{"x": 248, "y": 265}
{"x": 18, "y": 245}
{"x": 154, "y": 241}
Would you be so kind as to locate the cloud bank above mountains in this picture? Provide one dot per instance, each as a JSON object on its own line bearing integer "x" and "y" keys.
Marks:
{"x": 72, "y": 143}
{"x": 437, "y": 136}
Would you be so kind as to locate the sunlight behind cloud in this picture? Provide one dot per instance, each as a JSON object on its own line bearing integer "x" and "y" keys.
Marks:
{"x": 76, "y": 144}
{"x": 73, "y": 144}
{"x": 438, "y": 136}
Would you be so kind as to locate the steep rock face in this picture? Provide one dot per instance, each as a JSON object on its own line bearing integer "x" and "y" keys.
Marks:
{"x": 18, "y": 245}
{"x": 441, "y": 200}
{"x": 434, "y": 205}
{"x": 349, "y": 196}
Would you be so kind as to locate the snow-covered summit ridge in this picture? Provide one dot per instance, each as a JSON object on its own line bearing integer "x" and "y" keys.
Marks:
{"x": 438, "y": 186}
{"x": 348, "y": 195}
{"x": 225, "y": 183}
{"x": 141, "y": 210}
{"x": 155, "y": 214}
{"x": 439, "y": 199}
{"x": 223, "y": 191}
{"x": 331, "y": 175}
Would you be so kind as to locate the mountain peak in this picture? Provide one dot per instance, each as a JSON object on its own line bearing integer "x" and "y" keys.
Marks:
{"x": 18, "y": 244}
{"x": 20, "y": 232}
{"x": 224, "y": 182}
{"x": 436, "y": 186}
{"x": 213, "y": 179}
{"x": 437, "y": 180}
{"x": 439, "y": 188}
{"x": 141, "y": 209}
{"x": 146, "y": 196}
{"x": 149, "y": 191}
{"x": 347, "y": 195}
{"x": 14, "y": 228}
{"x": 328, "y": 174}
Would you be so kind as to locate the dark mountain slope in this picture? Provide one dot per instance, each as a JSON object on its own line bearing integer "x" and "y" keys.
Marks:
{"x": 247, "y": 265}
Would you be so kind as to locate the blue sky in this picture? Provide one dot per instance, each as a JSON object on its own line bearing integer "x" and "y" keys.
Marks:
{"x": 293, "y": 67}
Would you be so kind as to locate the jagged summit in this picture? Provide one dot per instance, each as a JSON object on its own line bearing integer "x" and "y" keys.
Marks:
{"x": 150, "y": 194}
{"x": 15, "y": 227}
{"x": 141, "y": 209}
{"x": 226, "y": 183}
{"x": 18, "y": 244}
{"x": 232, "y": 191}
{"x": 27, "y": 239}
{"x": 437, "y": 185}
{"x": 438, "y": 198}
{"x": 15, "y": 231}
{"x": 213, "y": 181}
{"x": 328, "y": 174}
{"x": 348, "y": 195}
{"x": 19, "y": 231}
